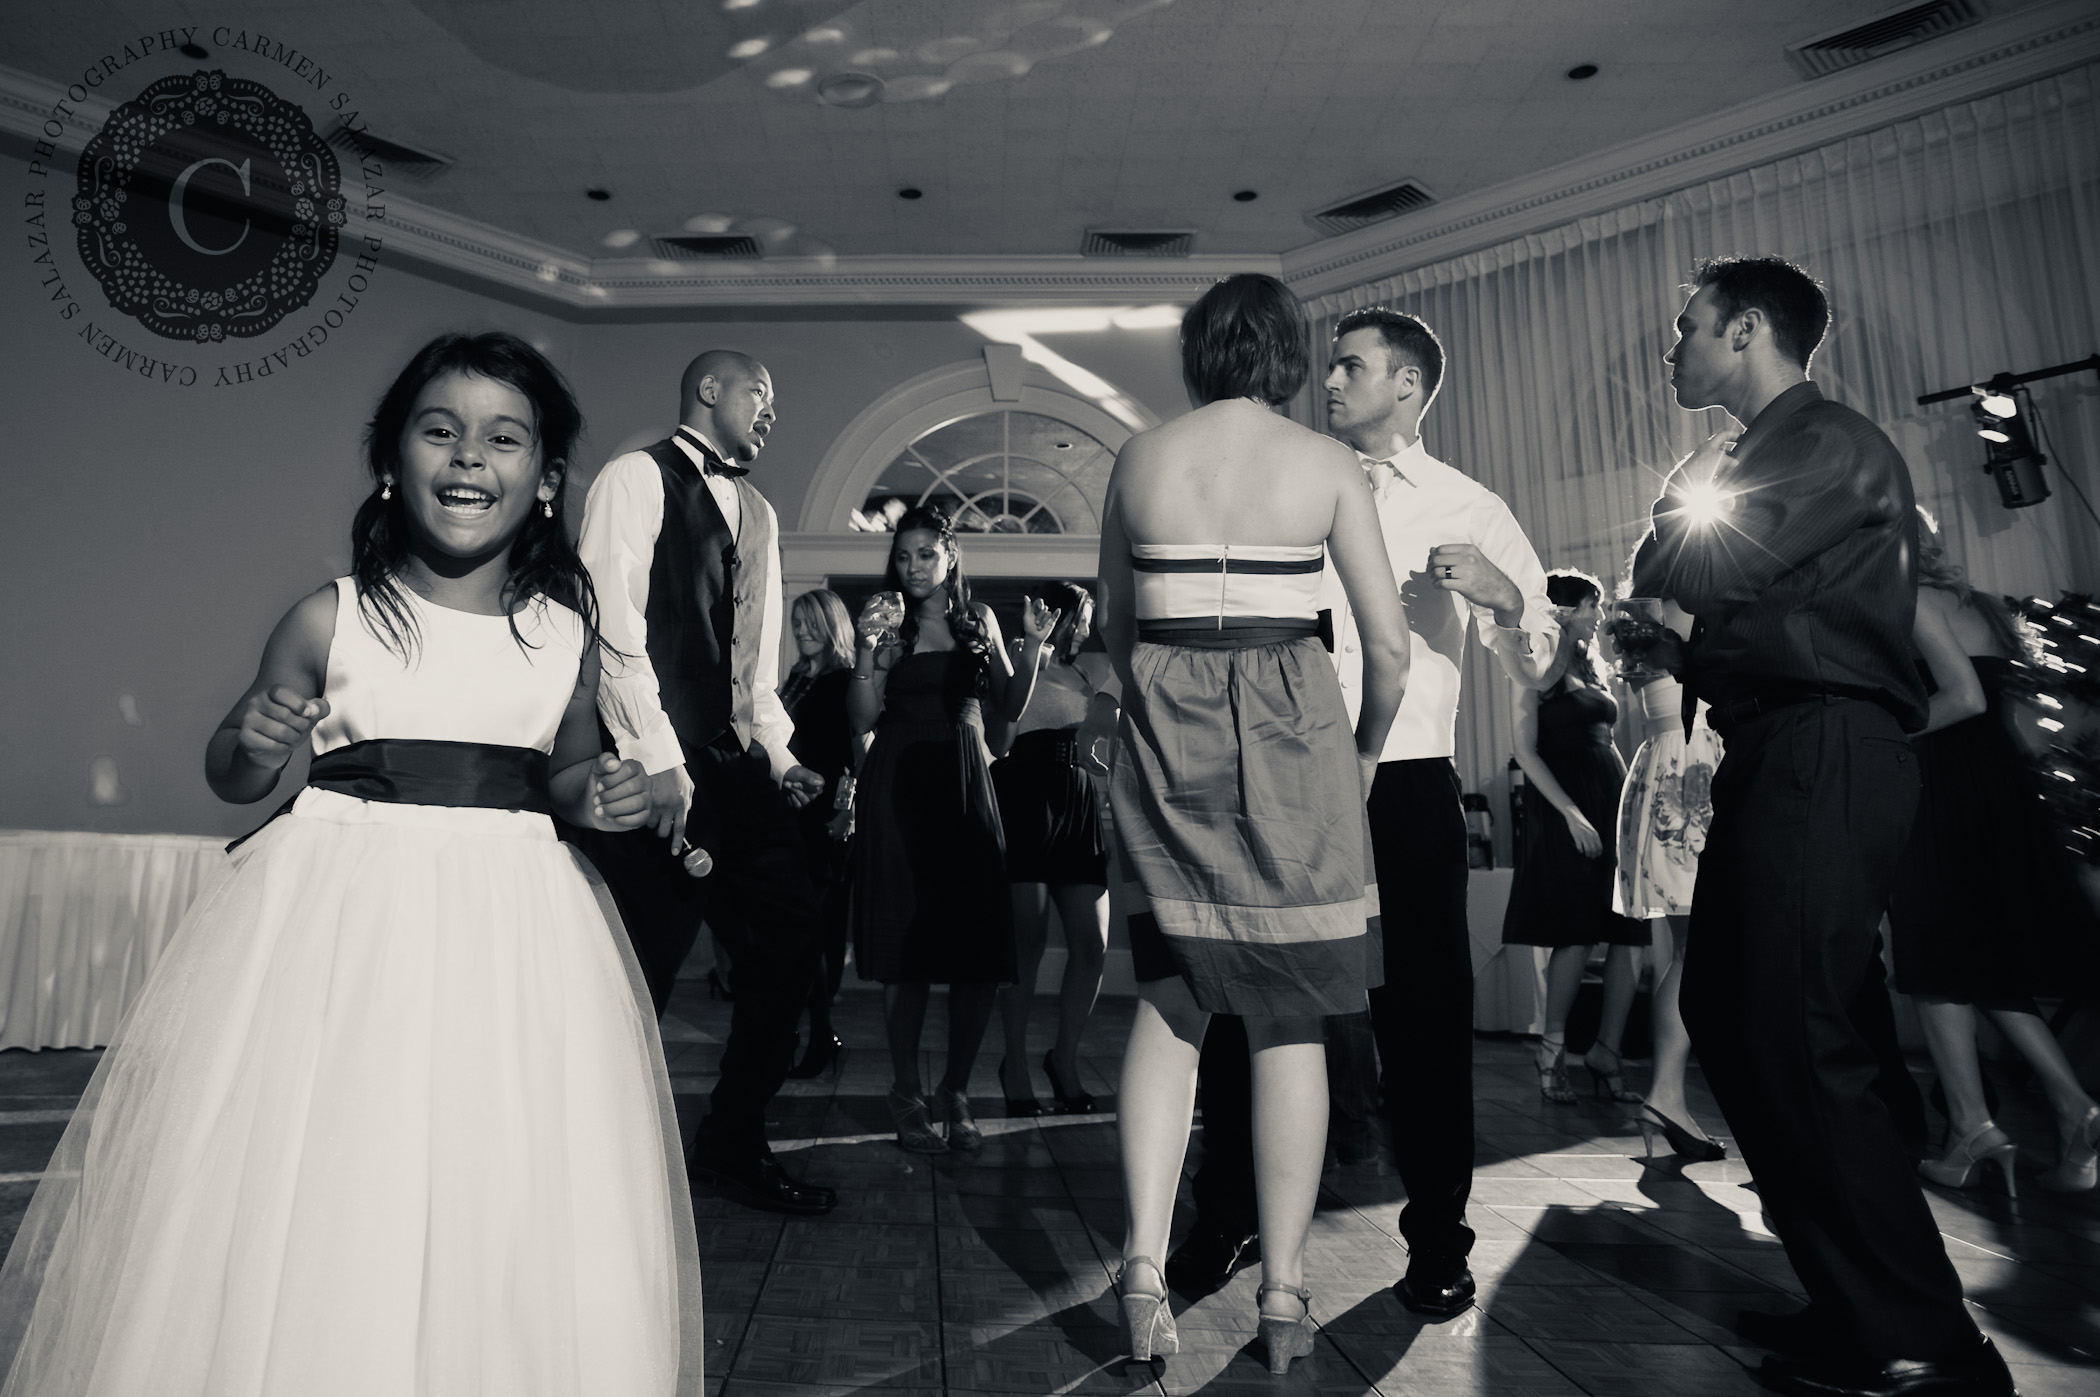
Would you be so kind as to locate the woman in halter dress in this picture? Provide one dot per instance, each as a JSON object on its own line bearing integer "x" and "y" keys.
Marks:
{"x": 1239, "y": 812}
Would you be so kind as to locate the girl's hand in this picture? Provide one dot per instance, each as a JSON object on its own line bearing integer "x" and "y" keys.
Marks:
{"x": 275, "y": 722}
{"x": 1038, "y": 620}
{"x": 883, "y": 656}
{"x": 619, "y": 793}
{"x": 879, "y": 619}
{"x": 1585, "y": 835}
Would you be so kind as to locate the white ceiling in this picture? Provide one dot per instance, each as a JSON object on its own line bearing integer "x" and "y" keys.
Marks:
{"x": 1023, "y": 122}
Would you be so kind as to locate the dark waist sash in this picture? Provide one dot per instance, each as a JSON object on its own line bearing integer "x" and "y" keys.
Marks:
{"x": 410, "y": 771}
{"x": 1227, "y": 633}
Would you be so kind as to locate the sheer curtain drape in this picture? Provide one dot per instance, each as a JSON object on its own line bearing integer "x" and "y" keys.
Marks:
{"x": 1954, "y": 245}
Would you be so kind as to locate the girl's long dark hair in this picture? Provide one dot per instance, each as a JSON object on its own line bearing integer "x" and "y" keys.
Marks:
{"x": 1569, "y": 588}
{"x": 962, "y": 617}
{"x": 543, "y": 563}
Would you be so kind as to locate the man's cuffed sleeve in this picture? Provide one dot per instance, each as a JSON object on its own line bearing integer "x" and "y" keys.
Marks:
{"x": 621, "y": 519}
{"x": 1524, "y": 651}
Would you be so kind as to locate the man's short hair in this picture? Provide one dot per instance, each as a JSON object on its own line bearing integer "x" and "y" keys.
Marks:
{"x": 1408, "y": 339}
{"x": 1792, "y": 301}
{"x": 1246, "y": 337}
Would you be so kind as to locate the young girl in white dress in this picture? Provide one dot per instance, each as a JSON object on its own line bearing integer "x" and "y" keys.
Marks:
{"x": 391, "y": 1116}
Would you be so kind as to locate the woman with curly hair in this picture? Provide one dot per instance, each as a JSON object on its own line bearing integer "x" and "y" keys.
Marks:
{"x": 930, "y": 899}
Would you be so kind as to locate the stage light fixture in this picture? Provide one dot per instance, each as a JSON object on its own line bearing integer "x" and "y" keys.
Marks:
{"x": 1989, "y": 425}
{"x": 2011, "y": 458}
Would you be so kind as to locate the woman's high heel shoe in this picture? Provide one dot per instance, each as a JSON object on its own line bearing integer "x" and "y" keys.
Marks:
{"x": 1285, "y": 1339}
{"x": 1553, "y": 1075}
{"x": 1145, "y": 1313}
{"x": 1075, "y": 1103}
{"x": 1609, "y": 1082}
{"x": 1961, "y": 1165}
{"x": 1682, "y": 1141}
{"x": 2079, "y": 1169}
{"x": 963, "y": 1133}
{"x": 1017, "y": 1106}
{"x": 915, "y": 1130}
{"x": 825, "y": 1054}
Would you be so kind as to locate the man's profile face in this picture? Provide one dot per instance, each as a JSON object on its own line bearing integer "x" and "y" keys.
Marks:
{"x": 1701, "y": 361}
{"x": 742, "y": 412}
{"x": 1362, "y": 389}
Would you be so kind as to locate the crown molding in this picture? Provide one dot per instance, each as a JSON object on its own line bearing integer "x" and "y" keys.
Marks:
{"x": 1960, "y": 67}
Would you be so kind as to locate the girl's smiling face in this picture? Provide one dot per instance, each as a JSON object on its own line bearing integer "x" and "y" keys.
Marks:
{"x": 808, "y": 643}
{"x": 1583, "y": 620}
{"x": 471, "y": 473}
{"x": 922, "y": 563}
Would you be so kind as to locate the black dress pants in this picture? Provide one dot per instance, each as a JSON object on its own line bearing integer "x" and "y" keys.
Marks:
{"x": 760, "y": 900}
{"x": 1812, "y": 807}
{"x": 1422, "y": 1017}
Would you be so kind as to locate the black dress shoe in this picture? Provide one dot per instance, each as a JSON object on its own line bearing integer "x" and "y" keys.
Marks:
{"x": 1980, "y": 1372}
{"x": 1204, "y": 1262}
{"x": 1438, "y": 1296}
{"x": 760, "y": 1181}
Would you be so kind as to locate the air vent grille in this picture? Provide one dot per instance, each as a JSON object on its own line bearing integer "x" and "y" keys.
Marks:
{"x": 397, "y": 159}
{"x": 1375, "y": 207}
{"x": 1104, "y": 242}
{"x": 700, "y": 247}
{"x": 1883, "y": 34}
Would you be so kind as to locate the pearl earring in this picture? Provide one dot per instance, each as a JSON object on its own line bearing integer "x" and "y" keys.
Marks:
{"x": 386, "y": 489}
{"x": 547, "y": 508}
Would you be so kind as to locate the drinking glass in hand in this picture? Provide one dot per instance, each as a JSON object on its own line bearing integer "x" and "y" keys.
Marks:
{"x": 1637, "y": 628}
{"x": 882, "y": 620}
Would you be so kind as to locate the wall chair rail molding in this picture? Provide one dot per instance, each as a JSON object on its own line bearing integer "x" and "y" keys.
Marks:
{"x": 1959, "y": 67}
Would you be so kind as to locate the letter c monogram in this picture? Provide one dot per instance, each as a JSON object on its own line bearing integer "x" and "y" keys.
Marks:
{"x": 180, "y": 220}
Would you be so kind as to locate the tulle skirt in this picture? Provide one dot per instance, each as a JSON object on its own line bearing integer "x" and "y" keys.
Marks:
{"x": 389, "y": 1118}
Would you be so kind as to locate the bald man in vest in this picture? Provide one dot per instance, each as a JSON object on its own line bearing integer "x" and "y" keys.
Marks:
{"x": 685, "y": 556}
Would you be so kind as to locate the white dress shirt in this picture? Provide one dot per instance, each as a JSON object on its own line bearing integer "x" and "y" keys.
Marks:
{"x": 1423, "y": 504}
{"x": 621, "y": 519}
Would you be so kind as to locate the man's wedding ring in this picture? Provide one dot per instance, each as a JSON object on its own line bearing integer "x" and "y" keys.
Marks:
{"x": 1447, "y": 570}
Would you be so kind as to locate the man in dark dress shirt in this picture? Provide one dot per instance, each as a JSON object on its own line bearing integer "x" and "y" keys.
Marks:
{"x": 1795, "y": 547}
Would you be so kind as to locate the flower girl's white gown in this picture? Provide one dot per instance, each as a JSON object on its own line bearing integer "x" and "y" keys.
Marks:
{"x": 390, "y": 1117}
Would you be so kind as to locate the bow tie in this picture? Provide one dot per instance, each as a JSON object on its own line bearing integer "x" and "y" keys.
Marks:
{"x": 712, "y": 460}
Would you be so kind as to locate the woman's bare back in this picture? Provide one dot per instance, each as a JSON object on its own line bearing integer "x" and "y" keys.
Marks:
{"x": 1231, "y": 472}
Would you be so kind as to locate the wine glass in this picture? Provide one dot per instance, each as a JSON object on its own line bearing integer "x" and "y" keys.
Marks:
{"x": 1637, "y": 627}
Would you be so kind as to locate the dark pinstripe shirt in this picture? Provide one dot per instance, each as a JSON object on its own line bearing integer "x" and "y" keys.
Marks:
{"x": 1808, "y": 579}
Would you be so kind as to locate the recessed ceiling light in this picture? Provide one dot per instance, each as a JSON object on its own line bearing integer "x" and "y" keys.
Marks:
{"x": 601, "y": 195}
{"x": 850, "y": 90}
{"x": 1245, "y": 196}
{"x": 790, "y": 77}
{"x": 1062, "y": 445}
{"x": 621, "y": 237}
{"x": 909, "y": 193}
{"x": 194, "y": 51}
{"x": 749, "y": 48}
{"x": 1582, "y": 72}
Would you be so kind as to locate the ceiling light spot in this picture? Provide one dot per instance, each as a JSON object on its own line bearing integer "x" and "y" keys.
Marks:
{"x": 790, "y": 77}
{"x": 1582, "y": 72}
{"x": 917, "y": 87}
{"x": 946, "y": 51}
{"x": 910, "y": 193}
{"x": 828, "y": 34}
{"x": 750, "y": 48}
{"x": 599, "y": 195}
{"x": 709, "y": 223}
{"x": 1245, "y": 196}
{"x": 868, "y": 58}
{"x": 850, "y": 89}
{"x": 621, "y": 237}
{"x": 549, "y": 272}
{"x": 734, "y": 5}
{"x": 194, "y": 51}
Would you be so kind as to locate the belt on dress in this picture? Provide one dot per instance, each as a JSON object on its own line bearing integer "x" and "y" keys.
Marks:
{"x": 414, "y": 771}
{"x": 1227, "y": 632}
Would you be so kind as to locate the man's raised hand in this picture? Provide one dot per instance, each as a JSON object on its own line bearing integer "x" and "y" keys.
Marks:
{"x": 276, "y": 721}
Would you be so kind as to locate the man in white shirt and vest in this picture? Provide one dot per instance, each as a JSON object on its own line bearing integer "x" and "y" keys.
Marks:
{"x": 1462, "y": 561}
{"x": 685, "y": 557}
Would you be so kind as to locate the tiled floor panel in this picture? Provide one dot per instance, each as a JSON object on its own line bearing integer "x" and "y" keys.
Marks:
{"x": 1600, "y": 1272}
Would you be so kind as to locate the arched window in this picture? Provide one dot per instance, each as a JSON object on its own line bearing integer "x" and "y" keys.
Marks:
{"x": 1002, "y": 472}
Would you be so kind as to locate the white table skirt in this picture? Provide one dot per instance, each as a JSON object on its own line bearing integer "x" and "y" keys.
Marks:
{"x": 83, "y": 918}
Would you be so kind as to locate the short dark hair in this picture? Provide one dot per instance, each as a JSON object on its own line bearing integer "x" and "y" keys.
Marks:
{"x": 1792, "y": 301}
{"x": 1246, "y": 337}
{"x": 1407, "y": 338}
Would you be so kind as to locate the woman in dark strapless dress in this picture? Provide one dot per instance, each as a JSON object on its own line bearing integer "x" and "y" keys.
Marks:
{"x": 1987, "y": 913}
{"x": 1562, "y": 893}
{"x": 930, "y": 898}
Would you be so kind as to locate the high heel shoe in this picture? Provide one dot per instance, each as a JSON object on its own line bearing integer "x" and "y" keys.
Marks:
{"x": 1076, "y": 1103}
{"x": 1552, "y": 1063}
{"x": 1960, "y": 1166}
{"x": 1146, "y": 1314}
{"x": 1285, "y": 1339}
{"x": 1017, "y": 1106}
{"x": 1610, "y": 1084}
{"x": 1683, "y": 1142}
{"x": 718, "y": 988}
{"x": 2079, "y": 1169}
{"x": 824, "y": 1054}
{"x": 915, "y": 1131}
{"x": 963, "y": 1133}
